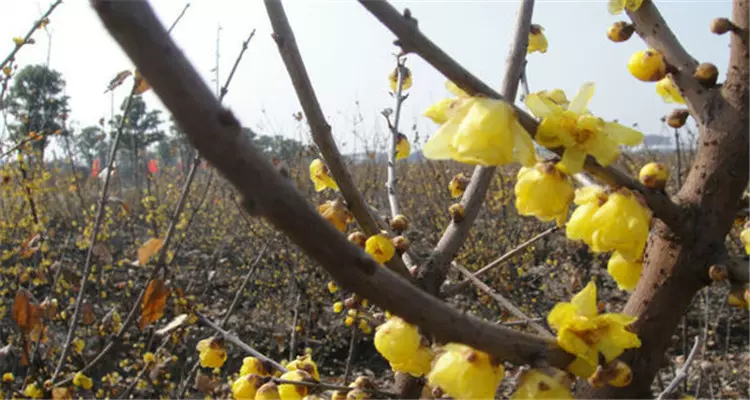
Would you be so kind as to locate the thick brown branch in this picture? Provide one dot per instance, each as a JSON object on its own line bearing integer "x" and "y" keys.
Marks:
{"x": 319, "y": 128}
{"x": 215, "y": 132}
{"x": 412, "y": 40}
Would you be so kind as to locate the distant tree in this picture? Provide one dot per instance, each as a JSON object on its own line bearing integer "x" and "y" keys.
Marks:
{"x": 142, "y": 129}
{"x": 91, "y": 144}
{"x": 37, "y": 104}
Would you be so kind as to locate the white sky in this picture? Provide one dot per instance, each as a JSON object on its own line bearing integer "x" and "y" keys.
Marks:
{"x": 348, "y": 55}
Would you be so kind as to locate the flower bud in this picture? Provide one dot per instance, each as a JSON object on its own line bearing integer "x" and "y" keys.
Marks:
{"x": 648, "y": 65}
{"x": 706, "y": 74}
{"x": 721, "y": 26}
{"x": 654, "y": 176}
{"x": 678, "y": 117}
{"x": 399, "y": 223}
{"x": 457, "y": 212}
{"x": 401, "y": 244}
{"x": 358, "y": 238}
{"x": 620, "y": 31}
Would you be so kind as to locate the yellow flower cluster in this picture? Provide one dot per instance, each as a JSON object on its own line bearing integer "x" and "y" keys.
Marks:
{"x": 401, "y": 344}
{"x": 616, "y": 222}
{"x": 477, "y": 130}
{"x": 585, "y": 333}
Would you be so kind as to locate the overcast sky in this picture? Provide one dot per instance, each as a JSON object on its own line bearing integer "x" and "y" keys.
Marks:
{"x": 349, "y": 55}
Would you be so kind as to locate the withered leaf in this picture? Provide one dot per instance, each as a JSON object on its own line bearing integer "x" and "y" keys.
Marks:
{"x": 151, "y": 247}
{"x": 154, "y": 302}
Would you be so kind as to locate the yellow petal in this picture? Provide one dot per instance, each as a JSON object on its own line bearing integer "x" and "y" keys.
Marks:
{"x": 633, "y": 5}
{"x": 561, "y": 313}
{"x": 572, "y": 343}
{"x": 581, "y": 368}
{"x": 440, "y": 145}
{"x": 622, "y": 134}
{"x": 625, "y": 273}
{"x": 403, "y": 147}
{"x": 582, "y": 98}
{"x": 541, "y": 106}
{"x": 438, "y": 112}
{"x": 573, "y": 160}
{"x": 455, "y": 90}
{"x": 603, "y": 149}
{"x": 524, "y": 146}
{"x": 585, "y": 301}
{"x": 615, "y": 6}
{"x": 669, "y": 91}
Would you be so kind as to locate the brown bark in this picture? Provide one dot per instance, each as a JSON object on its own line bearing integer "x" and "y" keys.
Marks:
{"x": 676, "y": 262}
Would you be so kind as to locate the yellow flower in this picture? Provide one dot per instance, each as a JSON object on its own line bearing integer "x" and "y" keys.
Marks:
{"x": 397, "y": 340}
{"x": 537, "y": 40}
{"x": 212, "y": 353}
{"x": 534, "y": 384}
{"x": 647, "y": 65}
{"x": 305, "y": 363}
{"x": 18, "y": 40}
{"x": 252, "y": 365}
{"x": 338, "y": 307}
{"x": 268, "y": 391}
{"x": 32, "y": 390}
{"x": 654, "y": 175}
{"x": 465, "y": 373}
{"x": 245, "y": 387}
{"x": 403, "y": 147}
{"x": 149, "y": 358}
{"x": 320, "y": 176}
{"x": 622, "y": 375}
{"x": 616, "y": 6}
{"x": 332, "y": 287}
{"x": 78, "y": 345}
{"x": 336, "y": 212}
{"x": 418, "y": 365}
{"x": 393, "y": 79}
{"x": 585, "y": 333}
{"x": 745, "y": 238}
{"x": 288, "y": 391}
{"x": 458, "y": 185}
{"x": 738, "y": 301}
{"x": 8, "y": 377}
{"x": 7, "y": 70}
{"x": 578, "y": 131}
{"x": 380, "y": 248}
{"x": 83, "y": 381}
{"x": 626, "y": 273}
{"x": 669, "y": 91}
{"x": 543, "y": 191}
{"x": 479, "y": 131}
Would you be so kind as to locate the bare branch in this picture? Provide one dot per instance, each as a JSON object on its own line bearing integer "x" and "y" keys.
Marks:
{"x": 682, "y": 372}
{"x": 392, "y": 179}
{"x": 31, "y": 31}
{"x": 432, "y": 273}
{"x": 320, "y": 129}
{"x": 412, "y": 40}
{"x": 217, "y": 135}
{"x": 500, "y": 299}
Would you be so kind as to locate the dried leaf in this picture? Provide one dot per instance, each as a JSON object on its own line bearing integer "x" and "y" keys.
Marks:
{"x": 172, "y": 325}
{"x": 154, "y": 302}
{"x": 88, "y": 313}
{"x": 148, "y": 249}
{"x": 26, "y": 314}
{"x": 118, "y": 80}
{"x": 62, "y": 393}
{"x": 102, "y": 253}
{"x": 203, "y": 383}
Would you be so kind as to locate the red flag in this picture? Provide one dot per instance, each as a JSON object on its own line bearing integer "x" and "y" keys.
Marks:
{"x": 95, "y": 168}
{"x": 153, "y": 167}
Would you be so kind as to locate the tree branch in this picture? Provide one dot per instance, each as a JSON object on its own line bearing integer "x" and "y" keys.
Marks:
{"x": 319, "y": 128}
{"x": 412, "y": 40}
{"x": 215, "y": 132}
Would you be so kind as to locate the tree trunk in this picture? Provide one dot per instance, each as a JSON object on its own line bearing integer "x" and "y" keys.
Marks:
{"x": 676, "y": 261}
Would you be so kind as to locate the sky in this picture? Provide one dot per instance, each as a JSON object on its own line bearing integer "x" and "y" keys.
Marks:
{"x": 349, "y": 54}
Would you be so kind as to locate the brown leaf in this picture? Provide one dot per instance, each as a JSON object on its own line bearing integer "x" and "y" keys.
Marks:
{"x": 118, "y": 80}
{"x": 26, "y": 314}
{"x": 203, "y": 383}
{"x": 88, "y": 313}
{"x": 148, "y": 249}
{"x": 102, "y": 253}
{"x": 154, "y": 302}
{"x": 61, "y": 393}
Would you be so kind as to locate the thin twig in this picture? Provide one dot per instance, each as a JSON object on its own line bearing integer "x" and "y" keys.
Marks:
{"x": 679, "y": 157}
{"x": 92, "y": 239}
{"x": 239, "y": 343}
{"x": 500, "y": 299}
{"x": 216, "y": 133}
{"x": 319, "y": 128}
{"x": 682, "y": 371}
{"x": 392, "y": 178}
{"x": 350, "y": 355}
{"x": 412, "y": 40}
{"x": 31, "y": 31}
